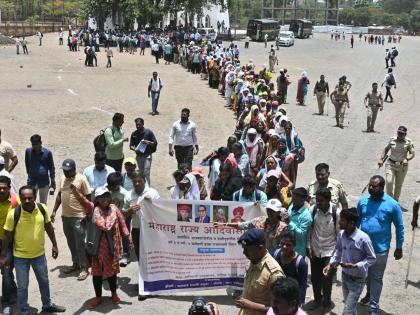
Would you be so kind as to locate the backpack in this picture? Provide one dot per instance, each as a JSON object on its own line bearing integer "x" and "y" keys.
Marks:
{"x": 257, "y": 195}
{"x": 395, "y": 53}
{"x": 16, "y": 215}
{"x": 298, "y": 258}
{"x": 100, "y": 142}
{"x": 390, "y": 80}
{"x": 334, "y": 215}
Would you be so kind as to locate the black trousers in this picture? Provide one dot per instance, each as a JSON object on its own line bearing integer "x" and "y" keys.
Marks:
{"x": 116, "y": 164}
{"x": 184, "y": 154}
{"x": 388, "y": 93}
{"x": 135, "y": 236}
{"x": 97, "y": 284}
{"x": 321, "y": 284}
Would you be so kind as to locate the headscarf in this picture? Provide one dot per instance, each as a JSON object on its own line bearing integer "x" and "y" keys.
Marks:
{"x": 193, "y": 193}
{"x": 232, "y": 161}
{"x": 303, "y": 75}
{"x": 248, "y": 143}
{"x": 251, "y": 115}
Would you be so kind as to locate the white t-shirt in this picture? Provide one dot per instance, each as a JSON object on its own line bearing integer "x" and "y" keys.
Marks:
{"x": 133, "y": 199}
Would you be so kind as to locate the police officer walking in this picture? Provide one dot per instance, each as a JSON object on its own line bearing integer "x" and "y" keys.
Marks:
{"x": 373, "y": 103}
{"x": 401, "y": 151}
{"x": 340, "y": 100}
{"x": 263, "y": 270}
{"x": 321, "y": 90}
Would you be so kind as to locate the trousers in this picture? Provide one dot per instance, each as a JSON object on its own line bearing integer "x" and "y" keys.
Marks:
{"x": 372, "y": 113}
{"x": 375, "y": 282}
{"x": 352, "y": 288}
{"x": 40, "y": 268}
{"x": 388, "y": 93}
{"x": 184, "y": 154}
{"x": 320, "y": 98}
{"x": 321, "y": 284}
{"x": 8, "y": 284}
{"x": 340, "y": 110}
{"x": 144, "y": 163}
{"x": 155, "y": 100}
{"x": 394, "y": 177}
{"x": 75, "y": 232}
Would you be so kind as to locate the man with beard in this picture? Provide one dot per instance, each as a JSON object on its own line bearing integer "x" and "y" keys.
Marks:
{"x": 183, "y": 139}
{"x": 377, "y": 213}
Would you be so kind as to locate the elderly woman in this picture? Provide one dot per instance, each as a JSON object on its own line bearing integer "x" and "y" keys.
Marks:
{"x": 286, "y": 160}
{"x": 229, "y": 181}
{"x": 187, "y": 188}
{"x": 254, "y": 148}
{"x": 106, "y": 227}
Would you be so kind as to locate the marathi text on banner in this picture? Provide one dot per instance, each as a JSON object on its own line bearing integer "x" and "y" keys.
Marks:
{"x": 181, "y": 249}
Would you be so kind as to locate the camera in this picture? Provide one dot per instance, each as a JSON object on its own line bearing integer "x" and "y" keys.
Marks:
{"x": 199, "y": 307}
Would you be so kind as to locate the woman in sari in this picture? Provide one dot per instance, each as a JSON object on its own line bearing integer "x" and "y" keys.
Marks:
{"x": 286, "y": 160}
{"x": 302, "y": 88}
{"x": 106, "y": 251}
{"x": 187, "y": 188}
{"x": 254, "y": 148}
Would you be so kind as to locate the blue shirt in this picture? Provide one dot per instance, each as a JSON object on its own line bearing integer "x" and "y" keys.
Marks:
{"x": 376, "y": 218}
{"x": 39, "y": 167}
{"x": 97, "y": 178}
{"x": 355, "y": 249}
{"x": 300, "y": 222}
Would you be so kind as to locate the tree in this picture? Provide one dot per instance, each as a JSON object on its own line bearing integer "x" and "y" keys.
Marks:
{"x": 415, "y": 20}
{"x": 398, "y": 6}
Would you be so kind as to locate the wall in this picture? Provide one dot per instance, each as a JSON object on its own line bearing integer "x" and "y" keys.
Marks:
{"x": 24, "y": 29}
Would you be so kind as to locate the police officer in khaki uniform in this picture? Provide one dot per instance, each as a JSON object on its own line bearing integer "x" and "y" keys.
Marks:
{"x": 321, "y": 90}
{"x": 373, "y": 103}
{"x": 401, "y": 151}
{"x": 340, "y": 100}
{"x": 338, "y": 194}
{"x": 261, "y": 273}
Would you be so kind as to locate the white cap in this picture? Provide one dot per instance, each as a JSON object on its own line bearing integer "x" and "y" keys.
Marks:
{"x": 1, "y": 160}
{"x": 101, "y": 191}
{"x": 274, "y": 205}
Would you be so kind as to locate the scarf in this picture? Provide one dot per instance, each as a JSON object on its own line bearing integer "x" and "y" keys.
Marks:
{"x": 232, "y": 161}
{"x": 105, "y": 220}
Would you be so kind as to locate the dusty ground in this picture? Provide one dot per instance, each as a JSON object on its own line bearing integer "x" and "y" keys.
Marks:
{"x": 68, "y": 104}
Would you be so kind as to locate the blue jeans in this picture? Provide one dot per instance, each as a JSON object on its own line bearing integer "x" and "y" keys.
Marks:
{"x": 352, "y": 288}
{"x": 155, "y": 100}
{"x": 374, "y": 282}
{"x": 39, "y": 266}
{"x": 8, "y": 285}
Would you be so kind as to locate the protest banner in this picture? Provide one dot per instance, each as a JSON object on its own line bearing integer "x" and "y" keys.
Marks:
{"x": 181, "y": 250}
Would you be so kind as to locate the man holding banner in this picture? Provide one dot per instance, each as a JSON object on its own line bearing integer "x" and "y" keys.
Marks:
{"x": 263, "y": 271}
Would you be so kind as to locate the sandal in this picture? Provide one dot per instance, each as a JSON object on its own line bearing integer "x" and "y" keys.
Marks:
{"x": 95, "y": 302}
{"x": 115, "y": 298}
{"x": 83, "y": 275}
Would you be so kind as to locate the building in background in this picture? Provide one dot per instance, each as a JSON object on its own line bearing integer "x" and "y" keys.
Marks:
{"x": 320, "y": 12}
{"x": 210, "y": 15}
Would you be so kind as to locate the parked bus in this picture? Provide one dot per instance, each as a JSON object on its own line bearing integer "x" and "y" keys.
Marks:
{"x": 301, "y": 28}
{"x": 258, "y": 28}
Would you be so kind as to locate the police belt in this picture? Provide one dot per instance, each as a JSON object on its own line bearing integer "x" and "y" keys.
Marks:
{"x": 395, "y": 162}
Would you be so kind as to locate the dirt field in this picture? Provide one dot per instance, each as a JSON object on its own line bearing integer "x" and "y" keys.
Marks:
{"x": 68, "y": 103}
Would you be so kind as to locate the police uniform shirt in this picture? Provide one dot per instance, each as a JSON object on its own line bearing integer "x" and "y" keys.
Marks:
{"x": 399, "y": 149}
{"x": 374, "y": 98}
{"x": 338, "y": 195}
{"x": 258, "y": 281}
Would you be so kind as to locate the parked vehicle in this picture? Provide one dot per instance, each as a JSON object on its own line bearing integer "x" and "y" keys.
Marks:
{"x": 301, "y": 28}
{"x": 257, "y": 29}
{"x": 286, "y": 38}
{"x": 208, "y": 34}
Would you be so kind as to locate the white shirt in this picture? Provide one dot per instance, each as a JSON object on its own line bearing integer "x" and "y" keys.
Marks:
{"x": 134, "y": 199}
{"x": 13, "y": 189}
{"x": 155, "y": 47}
{"x": 156, "y": 84}
{"x": 322, "y": 234}
{"x": 386, "y": 79}
{"x": 183, "y": 134}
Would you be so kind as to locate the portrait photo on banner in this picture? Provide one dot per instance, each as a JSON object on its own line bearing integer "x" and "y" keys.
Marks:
{"x": 184, "y": 212}
{"x": 237, "y": 215}
{"x": 221, "y": 214}
{"x": 202, "y": 214}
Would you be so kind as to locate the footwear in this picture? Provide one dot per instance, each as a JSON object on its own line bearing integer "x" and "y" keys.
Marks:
{"x": 326, "y": 310}
{"x": 365, "y": 301}
{"x": 53, "y": 308}
{"x": 157, "y": 113}
{"x": 95, "y": 302}
{"x": 7, "y": 310}
{"x": 71, "y": 269}
{"x": 115, "y": 298}
{"x": 313, "y": 305}
{"x": 123, "y": 261}
{"x": 341, "y": 126}
{"x": 153, "y": 113}
{"x": 83, "y": 275}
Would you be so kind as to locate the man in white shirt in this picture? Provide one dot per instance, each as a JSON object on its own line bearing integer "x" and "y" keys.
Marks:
{"x": 389, "y": 82}
{"x": 155, "y": 50}
{"x": 183, "y": 139}
{"x": 97, "y": 173}
{"x": 153, "y": 90}
{"x": 60, "y": 37}
{"x": 321, "y": 241}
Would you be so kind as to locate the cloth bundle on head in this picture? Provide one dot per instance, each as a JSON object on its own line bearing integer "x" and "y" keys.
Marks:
{"x": 193, "y": 193}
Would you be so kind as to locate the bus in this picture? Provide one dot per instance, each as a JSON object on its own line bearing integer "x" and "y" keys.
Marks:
{"x": 258, "y": 28}
{"x": 301, "y": 28}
